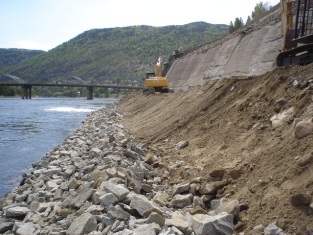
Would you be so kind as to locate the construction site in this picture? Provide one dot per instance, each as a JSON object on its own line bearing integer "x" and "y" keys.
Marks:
{"x": 241, "y": 116}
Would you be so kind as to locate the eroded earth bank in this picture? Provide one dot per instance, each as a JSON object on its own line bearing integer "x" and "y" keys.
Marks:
{"x": 249, "y": 139}
{"x": 233, "y": 156}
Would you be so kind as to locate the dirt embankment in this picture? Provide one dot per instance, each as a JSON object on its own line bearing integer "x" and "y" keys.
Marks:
{"x": 228, "y": 126}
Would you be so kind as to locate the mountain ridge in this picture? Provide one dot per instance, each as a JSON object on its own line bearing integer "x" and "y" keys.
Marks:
{"x": 105, "y": 55}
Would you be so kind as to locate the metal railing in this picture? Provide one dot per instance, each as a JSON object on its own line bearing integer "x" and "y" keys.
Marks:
{"x": 304, "y": 21}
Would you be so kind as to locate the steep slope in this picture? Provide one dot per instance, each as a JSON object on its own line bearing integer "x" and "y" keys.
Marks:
{"x": 249, "y": 51}
{"x": 13, "y": 56}
{"x": 227, "y": 123}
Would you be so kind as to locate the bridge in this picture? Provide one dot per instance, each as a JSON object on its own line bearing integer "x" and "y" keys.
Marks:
{"x": 27, "y": 86}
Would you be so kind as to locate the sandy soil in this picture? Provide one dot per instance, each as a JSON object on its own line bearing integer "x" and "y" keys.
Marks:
{"x": 228, "y": 127}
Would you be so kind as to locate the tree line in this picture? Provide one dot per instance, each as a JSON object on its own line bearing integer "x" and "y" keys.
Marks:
{"x": 260, "y": 10}
{"x": 100, "y": 55}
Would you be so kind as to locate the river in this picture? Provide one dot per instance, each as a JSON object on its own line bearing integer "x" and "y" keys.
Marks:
{"x": 31, "y": 128}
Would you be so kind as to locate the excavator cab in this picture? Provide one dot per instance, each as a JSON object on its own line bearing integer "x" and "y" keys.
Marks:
{"x": 155, "y": 82}
{"x": 297, "y": 31}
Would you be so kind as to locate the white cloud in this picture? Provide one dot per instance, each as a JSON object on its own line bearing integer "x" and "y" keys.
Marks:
{"x": 33, "y": 45}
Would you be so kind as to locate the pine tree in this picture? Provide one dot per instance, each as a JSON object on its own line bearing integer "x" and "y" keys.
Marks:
{"x": 238, "y": 23}
{"x": 248, "y": 20}
{"x": 260, "y": 9}
{"x": 231, "y": 27}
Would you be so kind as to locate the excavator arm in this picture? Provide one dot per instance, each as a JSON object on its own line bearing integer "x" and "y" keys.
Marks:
{"x": 287, "y": 26}
{"x": 297, "y": 32}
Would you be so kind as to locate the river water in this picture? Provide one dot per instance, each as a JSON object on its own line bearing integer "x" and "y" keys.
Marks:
{"x": 31, "y": 128}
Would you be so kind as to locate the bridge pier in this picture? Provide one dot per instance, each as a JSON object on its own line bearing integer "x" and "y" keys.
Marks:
{"x": 89, "y": 93}
{"x": 27, "y": 92}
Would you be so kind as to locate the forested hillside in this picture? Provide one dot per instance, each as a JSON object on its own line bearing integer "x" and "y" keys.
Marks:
{"x": 13, "y": 56}
{"x": 111, "y": 54}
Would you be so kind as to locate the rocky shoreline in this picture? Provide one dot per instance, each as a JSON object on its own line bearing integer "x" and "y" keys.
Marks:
{"x": 100, "y": 180}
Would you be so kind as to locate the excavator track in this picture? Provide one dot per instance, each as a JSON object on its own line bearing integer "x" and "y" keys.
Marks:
{"x": 300, "y": 55}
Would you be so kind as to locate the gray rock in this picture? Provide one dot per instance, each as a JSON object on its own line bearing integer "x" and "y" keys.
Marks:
{"x": 156, "y": 218}
{"x": 17, "y": 211}
{"x": 146, "y": 229}
{"x": 178, "y": 221}
{"x": 117, "y": 212}
{"x": 107, "y": 221}
{"x": 161, "y": 198}
{"x": 136, "y": 172}
{"x": 124, "y": 232}
{"x": 108, "y": 199}
{"x": 96, "y": 197}
{"x": 84, "y": 224}
{"x": 95, "y": 233}
{"x": 150, "y": 159}
{"x": 53, "y": 185}
{"x": 118, "y": 226}
{"x": 212, "y": 224}
{"x": 212, "y": 187}
{"x": 144, "y": 206}
{"x": 5, "y": 225}
{"x": 120, "y": 192}
{"x": 146, "y": 188}
{"x": 22, "y": 197}
{"x": 67, "y": 201}
{"x": 193, "y": 188}
{"x": 182, "y": 144}
{"x": 28, "y": 229}
{"x": 207, "y": 198}
{"x": 303, "y": 128}
{"x": 82, "y": 197}
{"x": 231, "y": 207}
{"x": 182, "y": 188}
{"x": 272, "y": 229}
{"x": 215, "y": 204}
{"x": 43, "y": 206}
{"x": 130, "y": 154}
{"x": 174, "y": 230}
{"x": 73, "y": 184}
{"x": 138, "y": 150}
{"x": 64, "y": 153}
{"x": 181, "y": 201}
{"x": 74, "y": 154}
{"x": 96, "y": 151}
{"x": 197, "y": 202}
{"x": 111, "y": 172}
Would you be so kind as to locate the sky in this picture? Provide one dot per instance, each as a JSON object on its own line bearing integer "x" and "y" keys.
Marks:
{"x": 45, "y": 24}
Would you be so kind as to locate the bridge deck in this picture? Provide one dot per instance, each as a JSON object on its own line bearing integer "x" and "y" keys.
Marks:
{"x": 71, "y": 85}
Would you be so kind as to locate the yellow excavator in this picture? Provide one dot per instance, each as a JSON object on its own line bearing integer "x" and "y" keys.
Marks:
{"x": 156, "y": 82}
{"x": 297, "y": 32}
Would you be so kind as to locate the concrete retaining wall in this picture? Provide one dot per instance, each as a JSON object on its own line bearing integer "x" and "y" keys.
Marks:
{"x": 246, "y": 53}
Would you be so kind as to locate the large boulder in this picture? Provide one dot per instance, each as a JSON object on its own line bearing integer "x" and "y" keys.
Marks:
{"x": 28, "y": 229}
{"x": 84, "y": 224}
{"x": 181, "y": 201}
{"x": 231, "y": 207}
{"x": 143, "y": 206}
{"x": 221, "y": 224}
{"x": 303, "y": 128}
{"x": 17, "y": 211}
{"x": 119, "y": 191}
{"x": 117, "y": 212}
